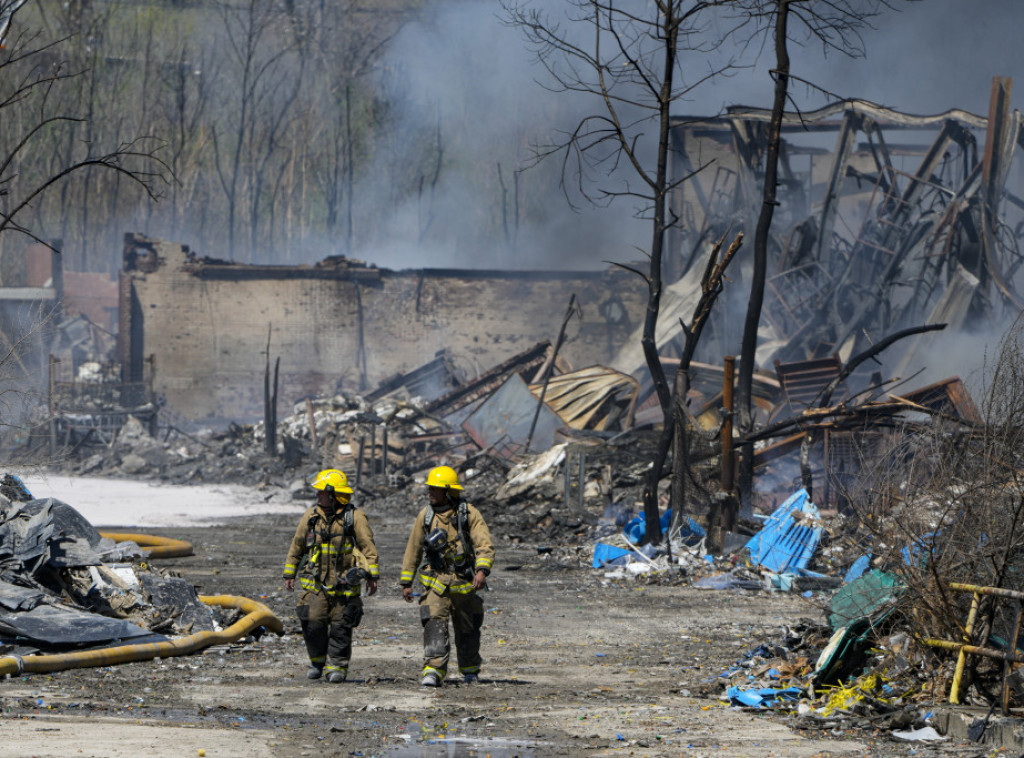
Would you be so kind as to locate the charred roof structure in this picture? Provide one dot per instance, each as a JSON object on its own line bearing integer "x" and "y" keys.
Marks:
{"x": 906, "y": 220}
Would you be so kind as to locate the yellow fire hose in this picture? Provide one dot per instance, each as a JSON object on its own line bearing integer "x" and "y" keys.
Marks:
{"x": 159, "y": 547}
{"x": 257, "y": 615}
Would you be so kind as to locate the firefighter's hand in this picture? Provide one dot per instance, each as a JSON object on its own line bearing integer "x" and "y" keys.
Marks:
{"x": 289, "y": 584}
{"x": 407, "y": 594}
{"x": 479, "y": 580}
{"x": 371, "y": 586}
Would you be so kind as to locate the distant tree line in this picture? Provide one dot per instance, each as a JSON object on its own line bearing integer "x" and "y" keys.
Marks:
{"x": 275, "y": 119}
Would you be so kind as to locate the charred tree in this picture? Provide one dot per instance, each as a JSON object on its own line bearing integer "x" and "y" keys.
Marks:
{"x": 834, "y": 24}
{"x": 744, "y": 389}
{"x": 631, "y": 65}
{"x": 711, "y": 287}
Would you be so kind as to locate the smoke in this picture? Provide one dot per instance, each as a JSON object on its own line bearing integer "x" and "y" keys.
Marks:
{"x": 927, "y": 57}
{"x": 467, "y": 82}
{"x": 919, "y": 57}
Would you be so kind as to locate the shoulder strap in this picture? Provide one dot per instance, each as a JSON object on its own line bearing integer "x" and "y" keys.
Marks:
{"x": 428, "y": 520}
{"x": 463, "y": 528}
{"x": 348, "y": 521}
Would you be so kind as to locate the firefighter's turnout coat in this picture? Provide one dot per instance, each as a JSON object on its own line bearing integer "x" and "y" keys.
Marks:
{"x": 323, "y": 549}
{"x": 452, "y": 570}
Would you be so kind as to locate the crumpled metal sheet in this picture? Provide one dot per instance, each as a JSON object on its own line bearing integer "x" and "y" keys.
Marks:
{"x": 592, "y": 398}
{"x": 503, "y": 421}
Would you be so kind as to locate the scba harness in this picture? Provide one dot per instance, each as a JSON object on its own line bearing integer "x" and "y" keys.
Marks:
{"x": 318, "y": 546}
{"x": 464, "y": 559}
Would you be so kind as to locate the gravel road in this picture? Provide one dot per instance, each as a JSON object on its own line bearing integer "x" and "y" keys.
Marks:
{"x": 575, "y": 665}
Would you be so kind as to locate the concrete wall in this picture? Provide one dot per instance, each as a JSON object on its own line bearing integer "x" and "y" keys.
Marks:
{"x": 207, "y": 325}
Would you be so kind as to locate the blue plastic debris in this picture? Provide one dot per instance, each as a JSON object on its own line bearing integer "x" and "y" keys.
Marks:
{"x": 763, "y": 697}
{"x": 784, "y": 543}
{"x": 857, "y": 568}
{"x": 912, "y": 553}
{"x": 609, "y": 555}
{"x": 745, "y": 697}
{"x": 637, "y": 527}
{"x": 691, "y": 532}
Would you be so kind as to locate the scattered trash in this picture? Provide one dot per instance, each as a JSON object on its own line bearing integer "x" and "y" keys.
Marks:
{"x": 924, "y": 734}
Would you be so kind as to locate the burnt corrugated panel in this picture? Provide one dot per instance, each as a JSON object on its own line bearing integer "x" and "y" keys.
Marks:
{"x": 592, "y": 398}
{"x": 503, "y": 422}
{"x": 948, "y": 396}
{"x": 526, "y": 362}
{"x": 803, "y": 381}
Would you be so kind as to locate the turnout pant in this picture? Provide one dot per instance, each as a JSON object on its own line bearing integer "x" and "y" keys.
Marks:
{"x": 327, "y": 622}
{"x": 467, "y": 614}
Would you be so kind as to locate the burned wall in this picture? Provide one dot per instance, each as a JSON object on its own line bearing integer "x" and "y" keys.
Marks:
{"x": 343, "y": 326}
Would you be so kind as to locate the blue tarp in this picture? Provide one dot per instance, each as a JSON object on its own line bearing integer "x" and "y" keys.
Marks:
{"x": 857, "y": 568}
{"x": 786, "y": 544}
{"x": 635, "y": 530}
{"x": 609, "y": 555}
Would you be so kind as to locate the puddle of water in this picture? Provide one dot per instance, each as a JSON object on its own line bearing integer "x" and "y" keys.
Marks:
{"x": 465, "y": 747}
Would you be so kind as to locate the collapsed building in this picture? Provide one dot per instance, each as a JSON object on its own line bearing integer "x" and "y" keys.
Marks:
{"x": 886, "y": 220}
{"x": 388, "y": 373}
{"x": 918, "y": 223}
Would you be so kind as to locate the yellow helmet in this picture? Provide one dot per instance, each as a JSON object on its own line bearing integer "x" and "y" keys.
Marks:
{"x": 445, "y": 477}
{"x": 333, "y": 478}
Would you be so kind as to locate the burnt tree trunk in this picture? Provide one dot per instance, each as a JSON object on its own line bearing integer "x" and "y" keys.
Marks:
{"x": 744, "y": 389}
{"x": 270, "y": 402}
{"x": 652, "y": 516}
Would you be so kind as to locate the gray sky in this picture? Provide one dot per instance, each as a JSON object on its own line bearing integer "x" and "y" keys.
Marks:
{"x": 474, "y": 72}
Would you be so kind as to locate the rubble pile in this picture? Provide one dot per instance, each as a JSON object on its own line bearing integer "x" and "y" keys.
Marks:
{"x": 64, "y": 586}
{"x": 565, "y": 472}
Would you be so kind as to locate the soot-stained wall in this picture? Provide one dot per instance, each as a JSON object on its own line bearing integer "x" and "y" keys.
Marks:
{"x": 340, "y": 325}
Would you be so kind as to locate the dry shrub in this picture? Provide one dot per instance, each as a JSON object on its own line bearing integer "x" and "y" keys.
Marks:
{"x": 938, "y": 502}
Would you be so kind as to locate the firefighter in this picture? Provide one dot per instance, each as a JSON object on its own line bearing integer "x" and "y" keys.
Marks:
{"x": 450, "y": 549}
{"x": 334, "y": 549}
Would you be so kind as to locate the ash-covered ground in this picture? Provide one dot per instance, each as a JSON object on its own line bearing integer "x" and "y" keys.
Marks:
{"x": 575, "y": 664}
